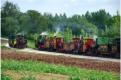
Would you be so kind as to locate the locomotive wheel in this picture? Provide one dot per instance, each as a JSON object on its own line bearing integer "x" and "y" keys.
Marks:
{"x": 117, "y": 55}
{"x": 75, "y": 51}
{"x": 89, "y": 51}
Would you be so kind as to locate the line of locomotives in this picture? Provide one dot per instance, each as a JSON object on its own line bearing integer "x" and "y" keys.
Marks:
{"x": 101, "y": 46}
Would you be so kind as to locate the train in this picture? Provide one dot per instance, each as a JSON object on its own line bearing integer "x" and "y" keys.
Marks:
{"x": 103, "y": 46}
{"x": 99, "y": 46}
{"x": 17, "y": 41}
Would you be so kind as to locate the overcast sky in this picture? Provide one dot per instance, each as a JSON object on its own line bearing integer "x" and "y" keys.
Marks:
{"x": 70, "y": 7}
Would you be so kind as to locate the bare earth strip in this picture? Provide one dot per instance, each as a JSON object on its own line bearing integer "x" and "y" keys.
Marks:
{"x": 68, "y": 61}
{"x": 39, "y": 76}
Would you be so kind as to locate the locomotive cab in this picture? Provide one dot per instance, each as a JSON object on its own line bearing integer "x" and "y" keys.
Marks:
{"x": 76, "y": 42}
{"x": 89, "y": 46}
{"x": 59, "y": 43}
{"x": 21, "y": 41}
{"x": 103, "y": 43}
{"x": 40, "y": 42}
{"x": 18, "y": 41}
{"x": 116, "y": 48}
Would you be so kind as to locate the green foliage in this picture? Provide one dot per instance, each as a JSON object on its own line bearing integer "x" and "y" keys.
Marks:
{"x": 9, "y": 10}
{"x": 103, "y": 40}
{"x": 24, "y": 21}
{"x": 32, "y": 22}
{"x": 113, "y": 29}
{"x": 74, "y": 72}
{"x": 31, "y": 44}
{"x": 10, "y": 25}
{"x": 90, "y": 28}
{"x": 68, "y": 35}
{"x": 9, "y": 18}
{"x": 98, "y": 18}
{"x": 4, "y": 47}
{"x": 33, "y": 36}
{"x": 75, "y": 78}
{"x": 5, "y": 77}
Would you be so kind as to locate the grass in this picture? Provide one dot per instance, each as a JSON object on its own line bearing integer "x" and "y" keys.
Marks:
{"x": 74, "y": 72}
{"x": 4, "y": 47}
{"x": 5, "y": 77}
{"x": 28, "y": 78}
{"x": 25, "y": 77}
{"x": 31, "y": 44}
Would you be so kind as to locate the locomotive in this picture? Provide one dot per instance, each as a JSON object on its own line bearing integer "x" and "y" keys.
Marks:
{"x": 99, "y": 46}
{"x": 84, "y": 45}
{"x": 109, "y": 46}
{"x": 17, "y": 41}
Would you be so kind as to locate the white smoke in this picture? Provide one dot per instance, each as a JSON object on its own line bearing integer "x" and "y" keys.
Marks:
{"x": 95, "y": 37}
{"x": 44, "y": 33}
{"x": 57, "y": 31}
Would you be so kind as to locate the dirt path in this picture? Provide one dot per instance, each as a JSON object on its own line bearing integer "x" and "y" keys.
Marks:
{"x": 68, "y": 61}
{"x": 18, "y": 75}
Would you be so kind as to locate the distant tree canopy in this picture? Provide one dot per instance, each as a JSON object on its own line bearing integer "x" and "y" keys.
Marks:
{"x": 33, "y": 22}
{"x": 9, "y": 18}
{"x": 98, "y": 18}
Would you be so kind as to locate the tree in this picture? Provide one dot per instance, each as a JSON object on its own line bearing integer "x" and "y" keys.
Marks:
{"x": 9, "y": 10}
{"x": 88, "y": 27}
{"x": 68, "y": 35}
{"x": 114, "y": 27}
{"x": 25, "y": 23}
{"x": 11, "y": 26}
{"x": 34, "y": 21}
{"x": 9, "y": 18}
{"x": 98, "y": 18}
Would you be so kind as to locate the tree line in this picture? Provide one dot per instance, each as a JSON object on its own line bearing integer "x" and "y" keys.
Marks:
{"x": 32, "y": 22}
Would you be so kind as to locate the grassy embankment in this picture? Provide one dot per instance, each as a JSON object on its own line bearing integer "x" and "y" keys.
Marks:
{"x": 41, "y": 67}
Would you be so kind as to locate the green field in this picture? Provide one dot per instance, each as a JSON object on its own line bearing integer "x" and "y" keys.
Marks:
{"x": 41, "y": 67}
{"x": 31, "y": 44}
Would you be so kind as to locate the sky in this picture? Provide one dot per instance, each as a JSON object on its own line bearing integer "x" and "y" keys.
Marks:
{"x": 70, "y": 7}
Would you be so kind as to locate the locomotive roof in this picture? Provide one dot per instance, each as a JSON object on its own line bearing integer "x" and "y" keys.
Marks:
{"x": 20, "y": 34}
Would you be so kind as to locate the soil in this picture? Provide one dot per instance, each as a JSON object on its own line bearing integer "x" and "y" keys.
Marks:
{"x": 15, "y": 75}
{"x": 67, "y": 61}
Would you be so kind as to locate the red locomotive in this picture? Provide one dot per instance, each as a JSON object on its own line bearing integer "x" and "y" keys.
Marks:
{"x": 77, "y": 45}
